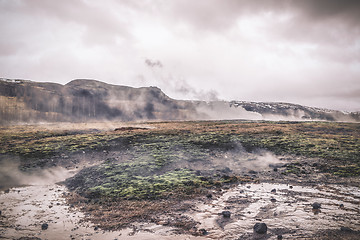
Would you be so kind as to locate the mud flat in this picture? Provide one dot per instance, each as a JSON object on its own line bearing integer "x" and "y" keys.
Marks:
{"x": 26, "y": 209}
{"x": 286, "y": 209}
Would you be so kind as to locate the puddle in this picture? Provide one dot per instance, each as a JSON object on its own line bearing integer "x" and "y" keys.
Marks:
{"x": 288, "y": 211}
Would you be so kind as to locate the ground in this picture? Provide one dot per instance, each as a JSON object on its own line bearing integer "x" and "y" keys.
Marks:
{"x": 158, "y": 171}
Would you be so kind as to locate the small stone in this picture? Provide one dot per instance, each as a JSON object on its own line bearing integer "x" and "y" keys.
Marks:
{"x": 315, "y": 165}
{"x": 273, "y": 200}
{"x": 209, "y": 195}
{"x": 44, "y": 226}
{"x": 273, "y": 190}
{"x": 96, "y": 228}
{"x": 291, "y": 187}
{"x": 316, "y": 205}
{"x": 275, "y": 169}
{"x": 346, "y": 229}
{"x": 226, "y": 214}
{"x": 341, "y": 206}
{"x": 279, "y": 237}
{"x": 260, "y": 228}
{"x": 0, "y": 212}
{"x": 202, "y": 232}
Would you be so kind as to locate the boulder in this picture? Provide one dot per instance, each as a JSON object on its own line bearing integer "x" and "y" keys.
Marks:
{"x": 316, "y": 205}
{"x": 226, "y": 214}
{"x": 44, "y": 226}
{"x": 260, "y": 228}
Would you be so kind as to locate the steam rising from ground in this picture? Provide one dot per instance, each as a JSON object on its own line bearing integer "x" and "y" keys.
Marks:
{"x": 11, "y": 175}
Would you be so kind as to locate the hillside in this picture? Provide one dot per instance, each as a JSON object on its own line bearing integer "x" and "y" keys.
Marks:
{"x": 85, "y": 100}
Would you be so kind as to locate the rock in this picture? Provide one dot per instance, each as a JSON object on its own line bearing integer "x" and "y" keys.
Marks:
{"x": 291, "y": 187}
{"x": 273, "y": 190}
{"x": 253, "y": 172}
{"x": 0, "y": 212}
{"x": 341, "y": 206}
{"x": 202, "y": 232}
{"x": 275, "y": 169}
{"x": 209, "y": 195}
{"x": 273, "y": 200}
{"x": 279, "y": 237}
{"x": 226, "y": 214}
{"x": 260, "y": 228}
{"x": 44, "y": 226}
{"x": 315, "y": 165}
{"x": 346, "y": 229}
{"x": 96, "y": 228}
{"x": 316, "y": 205}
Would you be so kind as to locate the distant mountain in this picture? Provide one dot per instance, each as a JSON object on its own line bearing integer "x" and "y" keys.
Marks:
{"x": 88, "y": 100}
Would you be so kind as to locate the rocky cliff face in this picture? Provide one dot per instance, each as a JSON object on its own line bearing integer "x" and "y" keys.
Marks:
{"x": 88, "y": 100}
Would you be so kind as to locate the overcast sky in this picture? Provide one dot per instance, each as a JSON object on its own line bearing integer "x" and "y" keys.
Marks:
{"x": 305, "y": 52}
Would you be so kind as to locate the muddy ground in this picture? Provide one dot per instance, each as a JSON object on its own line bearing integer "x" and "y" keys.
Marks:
{"x": 180, "y": 180}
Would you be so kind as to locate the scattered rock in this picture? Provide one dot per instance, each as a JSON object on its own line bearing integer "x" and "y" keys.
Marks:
{"x": 275, "y": 169}
{"x": 96, "y": 228}
{"x": 260, "y": 228}
{"x": 291, "y": 187}
{"x": 273, "y": 200}
{"x": 279, "y": 237}
{"x": 226, "y": 214}
{"x": 341, "y": 206}
{"x": 44, "y": 226}
{"x": 316, "y": 205}
{"x": 209, "y": 195}
{"x": 273, "y": 190}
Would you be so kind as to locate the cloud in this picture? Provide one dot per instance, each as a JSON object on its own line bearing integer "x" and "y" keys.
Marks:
{"x": 266, "y": 50}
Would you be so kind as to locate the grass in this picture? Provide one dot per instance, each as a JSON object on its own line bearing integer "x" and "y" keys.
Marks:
{"x": 150, "y": 171}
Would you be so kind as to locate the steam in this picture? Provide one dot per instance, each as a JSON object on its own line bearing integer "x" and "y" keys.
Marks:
{"x": 178, "y": 84}
{"x": 11, "y": 176}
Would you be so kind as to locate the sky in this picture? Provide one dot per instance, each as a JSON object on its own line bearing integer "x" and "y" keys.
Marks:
{"x": 305, "y": 52}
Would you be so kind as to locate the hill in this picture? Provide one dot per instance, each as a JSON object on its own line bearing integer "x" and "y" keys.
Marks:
{"x": 84, "y": 100}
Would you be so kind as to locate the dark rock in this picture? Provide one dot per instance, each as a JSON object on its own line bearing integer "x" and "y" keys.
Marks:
{"x": 209, "y": 195}
{"x": 273, "y": 200}
{"x": 316, "y": 205}
{"x": 315, "y": 165}
{"x": 279, "y": 237}
{"x": 253, "y": 172}
{"x": 44, "y": 226}
{"x": 273, "y": 190}
{"x": 291, "y": 187}
{"x": 203, "y": 231}
{"x": 341, "y": 206}
{"x": 260, "y": 228}
{"x": 0, "y": 212}
{"x": 346, "y": 229}
{"x": 96, "y": 228}
{"x": 275, "y": 169}
{"x": 226, "y": 214}
{"x": 7, "y": 191}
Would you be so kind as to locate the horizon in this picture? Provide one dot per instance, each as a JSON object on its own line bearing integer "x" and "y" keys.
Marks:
{"x": 300, "y": 52}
